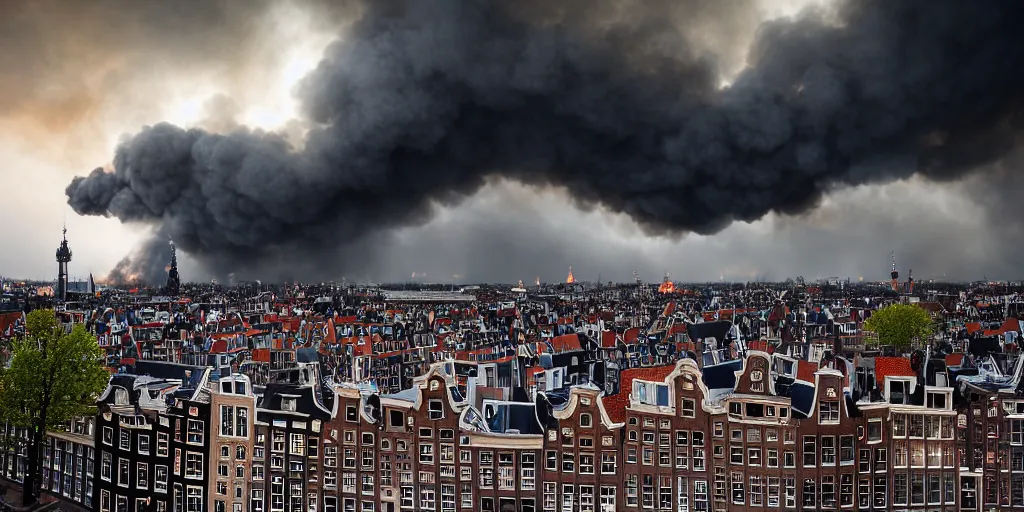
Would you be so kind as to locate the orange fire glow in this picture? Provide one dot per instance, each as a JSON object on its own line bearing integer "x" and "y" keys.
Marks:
{"x": 570, "y": 279}
{"x": 667, "y": 287}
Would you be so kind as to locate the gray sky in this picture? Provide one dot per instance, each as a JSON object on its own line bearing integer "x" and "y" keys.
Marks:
{"x": 84, "y": 77}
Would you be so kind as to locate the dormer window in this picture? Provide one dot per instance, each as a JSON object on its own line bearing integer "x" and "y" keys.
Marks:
{"x": 649, "y": 393}
{"x": 899, "y": 392}
{"x": 288, "y": 404}
{"x": 937, "y": 400}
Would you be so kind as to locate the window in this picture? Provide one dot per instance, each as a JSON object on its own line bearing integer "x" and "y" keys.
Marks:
{"x": 874, "y": 430}
{"x": 898, "y": 392}
{"x": 123, "y": 475}
{"x": 608, "y": 463}
{"x": 568, "y": 462}
{"x": 143, "y": 444}
{"x": 435, "y": 409}
{"x": 587, "y": 464}
{"x": 899, "y": 488}
{"x": 738, "y": 497}
{"x": 828, "y": 491}
{"x": 810, "y": 452}
{"x": 126, "y": 440}
{"x": 916, "y": 426}
{"x": 773, "y": 458}
{"x": 650, "y": 393}
{"x": 241, "y": 422}
{"x": 632, "y": 491}
{"x": 828, "y": 412}
{"x": 828, "y": 451}
{"x": 736, "y": 454}
{"x": 607, "y": 498}
{"x": 193, "y": 465}
{"x": 755, "y": 491}
{"x": 194, "y": 499}
{"x": 586, "y": 420}
{"x": 689, "y": 408}
{"x": 227, "y": 420}
{"x": 936, "y": 400}
{"x": 105, "y": 466}
{"x": 162, "y": 444}
{"x": 426, "y": 498}
{"x": 881, "y": 483}
{"x": 917, "y": 489}
{"x": 297, "y": 446}
{"x": 426, "y": 454}
{"x": 528, "y": 471}
{"x": 195, "y": 434}
{"x": 810, "y": 492}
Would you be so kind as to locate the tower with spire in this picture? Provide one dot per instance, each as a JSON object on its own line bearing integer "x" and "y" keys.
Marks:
{"x": 173, "y": 281}
{"x": 63, "y": 258}
{"x": 570, "y": 279}
{"x": 895, "y": 274}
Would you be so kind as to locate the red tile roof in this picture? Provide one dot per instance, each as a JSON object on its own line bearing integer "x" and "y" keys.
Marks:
{"x": 615, "y": 405}
{"x": 608, "y": 339}
{"x": 805, "y": 370}
{"x": 895, "y": 366}
{"x": 566, "y": 343}
{"x": 631, "y": 335}
{"x": 1009, "y": 325}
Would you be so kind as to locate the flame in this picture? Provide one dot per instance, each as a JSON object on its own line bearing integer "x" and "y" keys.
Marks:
{"x": 667, "y": 287}
{"x": 570, "y": 279}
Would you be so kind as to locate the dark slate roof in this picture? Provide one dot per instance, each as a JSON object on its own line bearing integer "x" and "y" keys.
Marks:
{"x": 722, "y": 376}
{"x": 306, "y": 403}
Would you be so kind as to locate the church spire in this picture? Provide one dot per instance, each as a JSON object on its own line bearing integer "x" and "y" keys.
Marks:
{"x": 173, "y": 280}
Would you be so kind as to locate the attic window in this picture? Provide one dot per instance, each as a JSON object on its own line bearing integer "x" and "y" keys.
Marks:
{"x": 898, "y": 392}
{"x": 288, "y": 404}
{"x": 936, "y": 400}
{"x": 650, "y": 393}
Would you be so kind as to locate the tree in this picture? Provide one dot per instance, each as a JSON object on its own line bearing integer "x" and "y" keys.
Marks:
{"x": 900, "y": 325}
{"x": 53, "y": 377}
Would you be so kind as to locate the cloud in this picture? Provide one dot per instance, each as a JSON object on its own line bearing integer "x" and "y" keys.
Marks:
{"x": 618, "y": 102}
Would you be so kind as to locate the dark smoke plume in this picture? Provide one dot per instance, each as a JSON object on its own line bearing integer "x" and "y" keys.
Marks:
{"x": 423, "y": 100}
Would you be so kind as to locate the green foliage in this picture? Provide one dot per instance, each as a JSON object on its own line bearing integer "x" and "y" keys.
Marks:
{"x": 53, "y": 377}
{"x": 901, "y": 325}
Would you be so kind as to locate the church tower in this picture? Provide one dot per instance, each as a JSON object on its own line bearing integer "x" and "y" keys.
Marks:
{"x": 895, "y": 274}
{"x": 63, "y": 258}
{"x": 173, "y": 281}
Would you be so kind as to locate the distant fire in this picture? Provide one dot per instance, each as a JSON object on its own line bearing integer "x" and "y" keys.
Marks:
{"x": 667, "y": 287}
{"x": 570, "y": 279}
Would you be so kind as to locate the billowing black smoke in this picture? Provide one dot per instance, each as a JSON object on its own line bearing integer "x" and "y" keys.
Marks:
{"x": 421, "y": 101}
